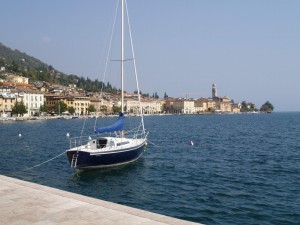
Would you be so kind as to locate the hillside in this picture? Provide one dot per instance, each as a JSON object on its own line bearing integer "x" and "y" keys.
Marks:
{"x": 22, "y": 64}
{"x": 11, "y": 58}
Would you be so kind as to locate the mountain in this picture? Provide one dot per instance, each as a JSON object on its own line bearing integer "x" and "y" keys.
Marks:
{"x": 36, "y": 70}
{"x": 12, "y": 58}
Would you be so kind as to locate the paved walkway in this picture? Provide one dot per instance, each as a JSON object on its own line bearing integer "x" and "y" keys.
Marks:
{"x": 24, "y": 203}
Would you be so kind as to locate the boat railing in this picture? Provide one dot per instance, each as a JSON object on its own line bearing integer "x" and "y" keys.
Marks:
{"x": 136, "y": 133}
{"x": 76, "y": 142}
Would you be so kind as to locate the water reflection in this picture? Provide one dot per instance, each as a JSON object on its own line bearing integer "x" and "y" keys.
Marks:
{"x": 79, "y": 177}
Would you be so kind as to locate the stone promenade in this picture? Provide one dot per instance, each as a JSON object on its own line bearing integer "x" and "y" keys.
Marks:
{"x": 24, "y": 203}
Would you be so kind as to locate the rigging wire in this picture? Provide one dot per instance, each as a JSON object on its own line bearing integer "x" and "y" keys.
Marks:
{"x": 108, "y": 56}
{"x": 82, "y": 130}
{"x": 135, "y": 68}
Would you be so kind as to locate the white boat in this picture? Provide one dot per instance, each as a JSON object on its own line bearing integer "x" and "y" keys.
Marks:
{"x": 116, "y": 147}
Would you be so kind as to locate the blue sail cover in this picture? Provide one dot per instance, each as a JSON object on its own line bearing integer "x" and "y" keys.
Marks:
{"x": 117, "y": 126}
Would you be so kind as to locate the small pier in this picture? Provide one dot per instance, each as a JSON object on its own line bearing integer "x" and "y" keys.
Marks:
{"x": 22, "y": 202}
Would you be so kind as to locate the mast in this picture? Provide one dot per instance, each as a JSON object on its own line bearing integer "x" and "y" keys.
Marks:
{"x": 122, "y": 59}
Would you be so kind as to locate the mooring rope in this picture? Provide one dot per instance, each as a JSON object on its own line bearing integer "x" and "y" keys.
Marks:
{"x": 26, "y": 169}
{"x": 153, "y": 144}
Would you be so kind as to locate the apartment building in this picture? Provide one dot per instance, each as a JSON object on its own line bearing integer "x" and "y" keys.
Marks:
{"x": 32, "y": 100}
{"x": 7, "y": 102}
{"x": 185, "y": 106}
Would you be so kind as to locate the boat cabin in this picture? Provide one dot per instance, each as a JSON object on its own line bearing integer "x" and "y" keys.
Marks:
{"x": 100, "y": 143}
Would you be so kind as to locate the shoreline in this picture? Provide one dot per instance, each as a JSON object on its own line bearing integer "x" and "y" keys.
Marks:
{"x": 8, "y": 119}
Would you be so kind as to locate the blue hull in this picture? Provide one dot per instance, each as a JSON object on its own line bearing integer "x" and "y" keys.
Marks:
{"x": 87, "y": 161}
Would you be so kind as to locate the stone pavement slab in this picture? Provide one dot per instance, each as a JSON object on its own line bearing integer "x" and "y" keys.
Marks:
{"x": 23, "y": 203}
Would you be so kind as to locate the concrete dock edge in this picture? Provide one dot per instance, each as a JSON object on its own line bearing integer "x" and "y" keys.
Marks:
{"x": 22, "y": 202}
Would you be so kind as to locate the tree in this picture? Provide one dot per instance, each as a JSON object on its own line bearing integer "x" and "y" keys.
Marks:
{"x": 60, "y": 107}
{"x": 116, "y": 109}
{"x": 14, "y": 66}
{"x": 43, "y": 108}
{"x": 248, "y": 107}
{"x": 267, "y": 107}
{"x": 244, "y": 107}
{"x": 165, "y": 95}
{"x": 71, "y": 110}
{"x": 19, "y": 108}
{"x": 103, "y": 108}
{"x": 91, "y": 108}
{"x": 145, "y": 95}
{"x": 155, "y": 95}
{"x": 2, "y": 62}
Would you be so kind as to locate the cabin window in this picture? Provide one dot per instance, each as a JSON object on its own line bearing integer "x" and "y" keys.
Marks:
{"x": 101, "y": 143}
{"x": 123, "y": 143}
{"x": 111, "y": 143}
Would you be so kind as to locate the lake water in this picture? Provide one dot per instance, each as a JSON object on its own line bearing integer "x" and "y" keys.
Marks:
{"x": 242, "y": 169}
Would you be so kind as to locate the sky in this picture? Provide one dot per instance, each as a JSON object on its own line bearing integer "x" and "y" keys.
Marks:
{"x": 250, "y": 49}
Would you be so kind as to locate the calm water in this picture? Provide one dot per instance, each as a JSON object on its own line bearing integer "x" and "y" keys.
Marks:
{"x": 242, "y": 169}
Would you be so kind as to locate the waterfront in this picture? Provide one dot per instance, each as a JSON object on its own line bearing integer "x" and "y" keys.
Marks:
{"x": 242, "y": 169}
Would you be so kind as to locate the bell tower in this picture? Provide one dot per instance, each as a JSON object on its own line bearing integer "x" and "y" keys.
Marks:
{"x": 214, "y": 91}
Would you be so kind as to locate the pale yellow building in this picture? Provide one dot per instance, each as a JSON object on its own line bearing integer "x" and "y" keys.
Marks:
{"x": 205, "y": 105}
{"x": 149, "y": 106}
{"x": 186, "y": 106}
{"x": 223, "y": 104}
{"x": 79, "y": 103}
{"x": 160, "y": 105}
{"x": 132, "y": 105}
{"x": 201, "y": 105}
{"x": 168, "y": 105}
{"x": 7, "y": 102}
{"x": 102, "y": 106}
{"x": 236, "y": 108}
{"x": 51, "y": 100}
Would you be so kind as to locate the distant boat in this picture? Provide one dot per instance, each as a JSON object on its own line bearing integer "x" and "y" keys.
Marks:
{"x": 117, "y": 147}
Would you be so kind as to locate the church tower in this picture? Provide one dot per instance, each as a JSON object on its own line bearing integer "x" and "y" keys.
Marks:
{"x": 214, "y": 91}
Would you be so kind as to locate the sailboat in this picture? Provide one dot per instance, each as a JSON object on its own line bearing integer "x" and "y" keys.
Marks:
{"x": 111, "y": 146}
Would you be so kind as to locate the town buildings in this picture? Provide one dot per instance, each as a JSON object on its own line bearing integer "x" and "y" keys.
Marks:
{"x": 16, "y": 89}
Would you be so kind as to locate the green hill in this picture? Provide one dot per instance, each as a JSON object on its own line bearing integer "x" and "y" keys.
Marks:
{"x": 16, "y": 60}
{"x": 36, "y": 70}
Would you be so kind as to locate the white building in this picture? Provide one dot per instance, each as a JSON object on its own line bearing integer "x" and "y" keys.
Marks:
{"x": 149, "y": 106}
{"x": 33, "y": 101}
